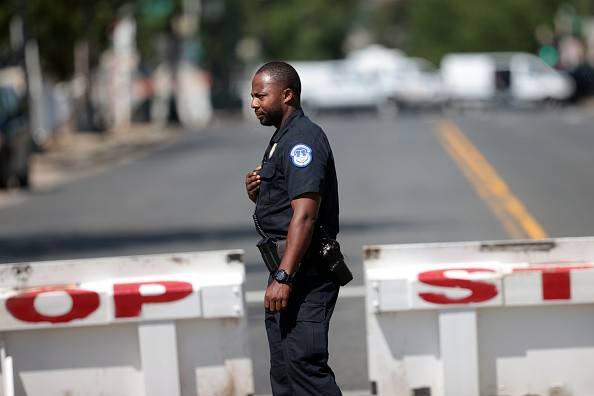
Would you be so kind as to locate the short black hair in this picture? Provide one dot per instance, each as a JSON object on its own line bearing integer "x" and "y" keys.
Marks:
{"x": 283, "y": 73}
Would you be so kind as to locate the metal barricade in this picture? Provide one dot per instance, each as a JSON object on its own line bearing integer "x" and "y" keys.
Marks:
{"x": 481, "y": 318}
{"x": 150, "y": 325}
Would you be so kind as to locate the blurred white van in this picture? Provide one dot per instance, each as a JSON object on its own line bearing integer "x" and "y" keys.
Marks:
{"x": 418, "y": 85}
{"x": 337, "y": 85}
{"x": 514, "y": 78}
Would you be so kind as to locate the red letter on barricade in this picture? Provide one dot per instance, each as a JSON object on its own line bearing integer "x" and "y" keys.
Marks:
{"x": 22, "y": 306}
{"x": 556, "y": 284}
{"x": 129, "y": 299}
{"x": 556, "y": 281}
{"x": 481, "y": 291}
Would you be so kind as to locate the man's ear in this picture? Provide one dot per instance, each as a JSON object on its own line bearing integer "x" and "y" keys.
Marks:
{"x": 287, "y": 95}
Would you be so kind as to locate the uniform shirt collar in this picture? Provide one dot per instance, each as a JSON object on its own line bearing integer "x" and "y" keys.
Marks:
{"x": 287, "y": 125}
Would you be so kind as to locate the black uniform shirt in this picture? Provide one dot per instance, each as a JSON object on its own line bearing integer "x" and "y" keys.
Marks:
{"x": 298, "y": 160}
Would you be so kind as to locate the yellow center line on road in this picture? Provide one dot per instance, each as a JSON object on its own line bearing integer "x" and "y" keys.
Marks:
{"x": 510, "y": 211}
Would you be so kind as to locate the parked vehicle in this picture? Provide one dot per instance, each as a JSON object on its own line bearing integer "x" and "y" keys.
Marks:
{"x": 16, "y": 144}
{"x": 514, "y": 78}
{"x": 406, "y": 82}
{"x": 379, "y": 65}
{"x": 418, "y": 84}
{"x": 336, "y": 85}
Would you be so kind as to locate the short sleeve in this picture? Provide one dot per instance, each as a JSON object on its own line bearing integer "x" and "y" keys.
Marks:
{"x": 305, "y": 163}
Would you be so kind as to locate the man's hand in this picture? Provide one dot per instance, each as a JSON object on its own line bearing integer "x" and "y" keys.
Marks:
{"x": 252, "y": 184}
{"x": 276, "y": 297}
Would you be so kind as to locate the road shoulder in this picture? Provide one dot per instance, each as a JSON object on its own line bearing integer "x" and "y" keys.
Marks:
{"x": 71, "y": 155}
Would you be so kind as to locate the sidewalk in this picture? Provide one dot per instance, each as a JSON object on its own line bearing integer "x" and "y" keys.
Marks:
{"x": 70, "y": 155}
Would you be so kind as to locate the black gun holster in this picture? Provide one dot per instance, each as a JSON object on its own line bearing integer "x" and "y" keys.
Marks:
{"x": 333, "y": 258}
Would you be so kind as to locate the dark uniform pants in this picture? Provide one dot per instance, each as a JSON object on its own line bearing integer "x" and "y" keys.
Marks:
{"x": 298, "y": 336}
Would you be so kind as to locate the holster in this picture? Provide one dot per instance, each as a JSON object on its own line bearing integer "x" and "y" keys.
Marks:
{"x": 269, "y": 252}
{"x": 333, "y": 258}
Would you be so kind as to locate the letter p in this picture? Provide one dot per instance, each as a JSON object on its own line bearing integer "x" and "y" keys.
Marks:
{"x": 130, "y": 297}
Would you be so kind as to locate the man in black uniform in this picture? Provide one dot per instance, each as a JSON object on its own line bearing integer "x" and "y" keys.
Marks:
{"x": 296, "y": 195}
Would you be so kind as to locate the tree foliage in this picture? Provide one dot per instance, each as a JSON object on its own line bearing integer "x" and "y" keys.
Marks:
{"x": 291, "y": 29}
{"x": 57, "y": 25}
{"x": 297, "y": 30}
{"x": 436, "y": 27}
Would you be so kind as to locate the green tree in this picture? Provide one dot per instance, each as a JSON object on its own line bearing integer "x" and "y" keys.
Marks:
{"x": 220, "y": 31}
{"x": 387, "y": 22}
{"x": 436, "y": 27}
{"x": 299, "y": 30}
{"x": 57, "y": 25}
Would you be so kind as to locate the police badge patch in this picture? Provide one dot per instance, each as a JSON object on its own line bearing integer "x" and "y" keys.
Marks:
{"x": 301, "y": 155}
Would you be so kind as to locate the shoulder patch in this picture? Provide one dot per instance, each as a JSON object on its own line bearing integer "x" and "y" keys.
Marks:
{"x": 301, "y": 154}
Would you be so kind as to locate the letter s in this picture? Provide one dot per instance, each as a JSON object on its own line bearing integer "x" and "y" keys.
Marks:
{"x": 480, "y": 291}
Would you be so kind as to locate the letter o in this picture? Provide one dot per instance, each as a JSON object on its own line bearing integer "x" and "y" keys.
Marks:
{"x": 22, "y": 306}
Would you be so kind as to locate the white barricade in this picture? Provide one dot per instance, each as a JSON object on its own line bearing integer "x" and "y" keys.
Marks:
{"x": 490, "y": 319}
{"x": 146, "y": 325}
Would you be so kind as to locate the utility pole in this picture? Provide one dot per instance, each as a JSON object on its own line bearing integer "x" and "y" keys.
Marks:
{"x": 124, "y": 48}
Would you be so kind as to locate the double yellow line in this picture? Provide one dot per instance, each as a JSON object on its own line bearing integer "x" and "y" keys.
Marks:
{"x": 510, "y": 211}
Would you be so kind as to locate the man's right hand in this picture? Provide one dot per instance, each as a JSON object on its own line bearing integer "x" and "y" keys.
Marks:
{"x": 252, "y": 183}
{"x": 276, "y": 297}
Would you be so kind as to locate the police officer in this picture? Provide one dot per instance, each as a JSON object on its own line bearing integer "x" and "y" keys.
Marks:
{"x": 296, "y": 194}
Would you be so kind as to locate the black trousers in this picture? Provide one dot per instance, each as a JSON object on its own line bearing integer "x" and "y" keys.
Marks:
{"x": 298, "y": 336}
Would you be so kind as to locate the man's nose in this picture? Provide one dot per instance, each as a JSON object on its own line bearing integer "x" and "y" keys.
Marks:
{"x": 254, "y": 103}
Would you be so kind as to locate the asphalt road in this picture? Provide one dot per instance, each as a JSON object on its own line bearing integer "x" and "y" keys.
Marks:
{"x": 418, "y": 178}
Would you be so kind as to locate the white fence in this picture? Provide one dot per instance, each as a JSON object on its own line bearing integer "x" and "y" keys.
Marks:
{"x": 145, "y": 325}
{"x": 488, "y": 319}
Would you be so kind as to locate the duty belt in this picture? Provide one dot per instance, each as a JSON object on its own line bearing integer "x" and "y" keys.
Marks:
{"x": 312, "y": 253}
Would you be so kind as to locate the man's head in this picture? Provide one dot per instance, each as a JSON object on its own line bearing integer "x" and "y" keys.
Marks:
{"x": 276, "y": 89}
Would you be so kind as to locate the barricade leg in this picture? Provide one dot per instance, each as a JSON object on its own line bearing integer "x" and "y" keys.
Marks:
{"x": 158, "y": 353}
{"x": 459, "y": 351}
{"x": 7, "y": 371}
